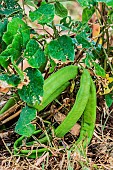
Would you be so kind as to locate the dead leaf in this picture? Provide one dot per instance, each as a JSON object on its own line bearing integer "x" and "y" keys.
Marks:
{"x": 75, "y": 129}
{"x": 4, "y": 87}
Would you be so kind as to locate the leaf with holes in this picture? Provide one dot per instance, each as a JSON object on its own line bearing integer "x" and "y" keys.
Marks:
{"x": 34, "y": 54}
{"x": 10, "y": 7}
{"x": 61, "y": 49}
{"x": 33, "y": 92}
{"x": 24, "y": 126}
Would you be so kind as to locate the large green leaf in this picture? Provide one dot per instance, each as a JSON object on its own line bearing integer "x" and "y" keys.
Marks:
{"x": 44, "y": 14}
{"x": 16, "y": 37}
{"x": 34, "y": 54}
{"x": 61, "y": 49}
{"x": 87, "y": 14}
{"x": 33, "y": 92}
{"x": 24, "y": 126}
{"x": 60, "y": 10}
{"x": 16, "y": 26}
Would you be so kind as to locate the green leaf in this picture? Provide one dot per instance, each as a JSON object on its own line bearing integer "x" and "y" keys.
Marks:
{"x": 87, "y": 60}
{"x": 9, "y": 51}
{"x": 12, "y": 80}
{"x": 33, "y": 92}
{"x": 109, "y": 99}
{"x": 87, "y": 14}
{"x": 18, "y": 70}
{"x": 66, "y": 23}
{"x": 108, "y": 2}
{"x": 13, "y": 50}
{"x": 34, "y": 54}
{"x": 60, "y": 10}
{"x": 30, "y": 3}
{"x": 16, "y": 26}
{"x": 10, "y": 7}
{"x": 44, "y": 14}
{"x": 61, "y": 49}
{"x": 3, "y": 26}
{"x": 52, "y": 66}
{"x": 4, "y": 61}
{"x": 99, "y": 70}
{"x": 16, "y": 37}
{"x": 17, "y": 42}
{"x": 86, "y": 3}
{"x": 24, "y": 126}
{"x": 83, "y": 41}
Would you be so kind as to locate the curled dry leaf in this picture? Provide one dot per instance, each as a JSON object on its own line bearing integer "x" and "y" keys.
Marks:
{"x": 59, "y": 117}
{"x": 4, "y": 87}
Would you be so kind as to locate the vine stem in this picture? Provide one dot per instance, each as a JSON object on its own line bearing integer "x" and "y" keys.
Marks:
{"x": 107, "y": 58}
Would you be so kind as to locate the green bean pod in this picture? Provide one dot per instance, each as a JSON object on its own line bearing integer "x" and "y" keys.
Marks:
{"x": 89, "y": 118}
{"x": 54, "y": 84}
{"x": 79, "y": 106}
{"x": 54, "y": 95}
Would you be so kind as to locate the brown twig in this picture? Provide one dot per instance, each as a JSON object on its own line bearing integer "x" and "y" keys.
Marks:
{"x": 10, "y": 110}
{"x": 10, "y": 118}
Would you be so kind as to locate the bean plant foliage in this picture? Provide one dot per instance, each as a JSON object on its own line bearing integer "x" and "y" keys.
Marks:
{"x": 71, "y": 42}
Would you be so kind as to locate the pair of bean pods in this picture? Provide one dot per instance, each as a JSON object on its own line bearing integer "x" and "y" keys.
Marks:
{"x": 85, "y": 106}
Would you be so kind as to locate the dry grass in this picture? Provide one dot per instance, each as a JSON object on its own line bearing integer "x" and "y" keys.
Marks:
{"x": 99, "y": 155}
